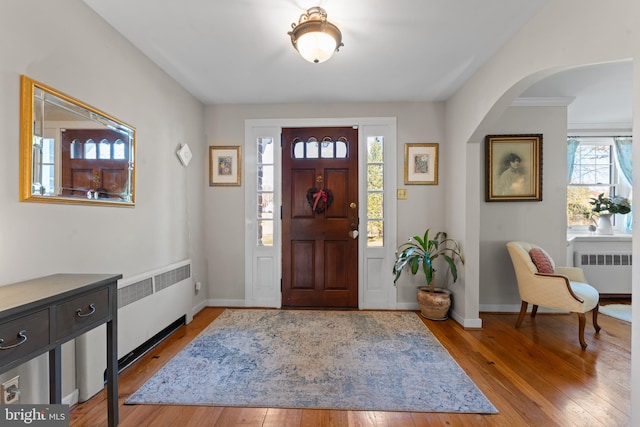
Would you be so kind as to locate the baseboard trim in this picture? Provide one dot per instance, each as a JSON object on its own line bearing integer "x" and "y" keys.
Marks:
{"x": 466, "y": 323}
{"x": 198, "y": 308}
{"x": 225, "y": 303}
{"x": 514, "y": 308}
{"x": 72, "y": 398}
{"x": 408, "y": 306}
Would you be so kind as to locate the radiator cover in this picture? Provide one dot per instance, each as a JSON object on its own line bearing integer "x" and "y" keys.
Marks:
{"x": 147, "y": 303}
{"x": 608, "y": 272}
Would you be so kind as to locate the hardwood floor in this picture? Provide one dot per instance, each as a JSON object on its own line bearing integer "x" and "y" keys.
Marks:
{"x": 535, "y": 376}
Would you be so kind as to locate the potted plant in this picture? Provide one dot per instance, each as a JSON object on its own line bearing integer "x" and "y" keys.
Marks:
{"x": 419, "y": 253}
{"x": 605, "y": 207}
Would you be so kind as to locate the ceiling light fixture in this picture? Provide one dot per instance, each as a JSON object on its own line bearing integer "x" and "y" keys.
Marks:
{"x": 314, "y": 37}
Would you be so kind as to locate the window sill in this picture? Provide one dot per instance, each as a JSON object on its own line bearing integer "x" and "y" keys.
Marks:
{"x": 592, "y": 237}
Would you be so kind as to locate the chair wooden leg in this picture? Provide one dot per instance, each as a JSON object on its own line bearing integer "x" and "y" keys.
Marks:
{"x": 595, "y": 318}
{"x": 523, "y": 311}
{"x": 534, "y": 311}
{"x": 582, "y": 320}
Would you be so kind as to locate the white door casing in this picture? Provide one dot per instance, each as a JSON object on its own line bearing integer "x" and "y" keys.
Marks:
{"x": 263, "y": 264}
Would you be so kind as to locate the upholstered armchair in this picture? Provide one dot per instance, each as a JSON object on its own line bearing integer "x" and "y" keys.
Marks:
{"x": 542, "y": 283}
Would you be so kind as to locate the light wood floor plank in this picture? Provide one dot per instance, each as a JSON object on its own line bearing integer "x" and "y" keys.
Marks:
{"x": 204, "y": 416}
{"x": 241, "y": 417}
{"x": 283, "y": 418}
{"x": 320, "y": 417}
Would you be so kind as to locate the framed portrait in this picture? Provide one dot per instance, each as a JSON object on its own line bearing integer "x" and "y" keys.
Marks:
{"x": 513, "y": 168}
{"x": 225, "y": 165}
{"x": 421, "y": 164}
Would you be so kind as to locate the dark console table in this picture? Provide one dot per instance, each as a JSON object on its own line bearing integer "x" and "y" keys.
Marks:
{"x": 38, "y": 316}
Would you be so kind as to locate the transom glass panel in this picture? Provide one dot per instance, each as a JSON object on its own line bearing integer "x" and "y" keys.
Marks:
{"x": 118, "y": 150}
{"x": 326, "y": 149}
{"x": 90, "y": 149}
{"x": 104, "y": 150}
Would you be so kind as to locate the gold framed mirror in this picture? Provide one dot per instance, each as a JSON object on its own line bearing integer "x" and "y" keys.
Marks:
{"x": 71, "y": 152}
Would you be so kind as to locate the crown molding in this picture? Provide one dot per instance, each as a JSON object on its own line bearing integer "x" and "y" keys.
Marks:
{"x": 548, "y": 101}
{"x": 601, "y": 129}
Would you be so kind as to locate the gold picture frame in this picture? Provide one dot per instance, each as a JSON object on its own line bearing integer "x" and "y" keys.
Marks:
{"x": 225, "y": 165}
{"x": 513, "y": 168}
{"x": 421, "y": 163}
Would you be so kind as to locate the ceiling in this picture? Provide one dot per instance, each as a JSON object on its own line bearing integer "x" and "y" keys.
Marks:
{"x": 603, "y": 95}
{"x": 238, "y": 51}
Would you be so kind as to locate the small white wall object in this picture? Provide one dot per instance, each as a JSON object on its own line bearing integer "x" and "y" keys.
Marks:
{"x": 184, "y": 154}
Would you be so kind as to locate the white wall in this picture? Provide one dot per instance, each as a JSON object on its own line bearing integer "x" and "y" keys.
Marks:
{"x": 565, "y": 34}
{"x": 66, "y": 45}
{"x": 542, "y": 222}
{"x": 417, "y": 122}
{"x": 91, "y": 62}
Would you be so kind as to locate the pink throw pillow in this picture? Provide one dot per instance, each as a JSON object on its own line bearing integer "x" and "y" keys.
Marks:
{"x": 541, "y": 261}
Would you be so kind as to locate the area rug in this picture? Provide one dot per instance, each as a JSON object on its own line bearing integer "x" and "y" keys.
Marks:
{"x": 358, "y": 360}
{"x": 619, "y": 311}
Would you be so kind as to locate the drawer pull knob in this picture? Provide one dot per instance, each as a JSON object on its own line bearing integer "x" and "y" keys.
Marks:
{"x": 23, "y": 338}
{"x": 93, "y": 310}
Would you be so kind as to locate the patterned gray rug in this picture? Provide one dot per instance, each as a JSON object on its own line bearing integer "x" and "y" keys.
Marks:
{"x": 358, "y": 360}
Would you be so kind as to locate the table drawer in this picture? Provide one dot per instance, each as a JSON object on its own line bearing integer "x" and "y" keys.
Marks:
{"x": 23, "y": 336}
{"x": 82, "y": 312}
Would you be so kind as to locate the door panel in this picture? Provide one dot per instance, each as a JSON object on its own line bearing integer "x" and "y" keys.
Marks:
{"x": 80, "y": 178}
{"x": 338, "y": 182}
{"x": 319, "y": 259}
{"x": 301, "y": 181}
{"x": 337, "y": 264}
{"x": 302, "y": 253}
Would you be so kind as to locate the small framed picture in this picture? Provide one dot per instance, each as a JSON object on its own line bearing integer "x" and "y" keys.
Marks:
{"x": 421, "y": 164}
{"x": 513, "y": 168}
{"x": 225, "y": 165}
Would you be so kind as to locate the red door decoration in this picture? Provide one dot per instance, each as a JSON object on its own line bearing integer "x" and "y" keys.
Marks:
{"x": 319, "y": 200}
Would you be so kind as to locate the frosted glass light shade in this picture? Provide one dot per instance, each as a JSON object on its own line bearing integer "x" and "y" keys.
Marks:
{"x": 316, "y": 47}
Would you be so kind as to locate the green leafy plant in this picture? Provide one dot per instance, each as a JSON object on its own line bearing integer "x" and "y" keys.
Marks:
{"x": 419, "y": 253}
{"x": 613, "y": 205}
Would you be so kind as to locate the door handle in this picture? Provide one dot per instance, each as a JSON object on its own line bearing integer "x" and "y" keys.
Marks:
{"x": 354, "y": 226}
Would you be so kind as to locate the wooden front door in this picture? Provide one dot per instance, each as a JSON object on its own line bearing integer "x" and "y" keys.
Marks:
{"x": 95, "y": 161}
{"x": 320, "y": 217}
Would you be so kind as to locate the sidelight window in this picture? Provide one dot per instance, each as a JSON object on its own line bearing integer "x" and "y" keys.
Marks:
{"x": 43, "y": 156}
{"x": 375, "y": 191}
{"x": 265, "y": 186}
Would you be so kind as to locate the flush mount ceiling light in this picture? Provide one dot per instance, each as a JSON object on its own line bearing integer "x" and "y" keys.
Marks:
{"x": 314, "y": 37}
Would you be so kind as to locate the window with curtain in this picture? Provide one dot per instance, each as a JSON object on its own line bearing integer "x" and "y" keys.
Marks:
{"x": 596, "y": 165}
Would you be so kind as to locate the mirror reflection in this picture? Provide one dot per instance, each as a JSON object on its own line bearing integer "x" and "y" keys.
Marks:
{"x": 72, "y": 152}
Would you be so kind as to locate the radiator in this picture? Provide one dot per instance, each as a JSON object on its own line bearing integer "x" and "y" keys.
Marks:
{"x": 608, "y": 272}
{"x": 147, "y": 304}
